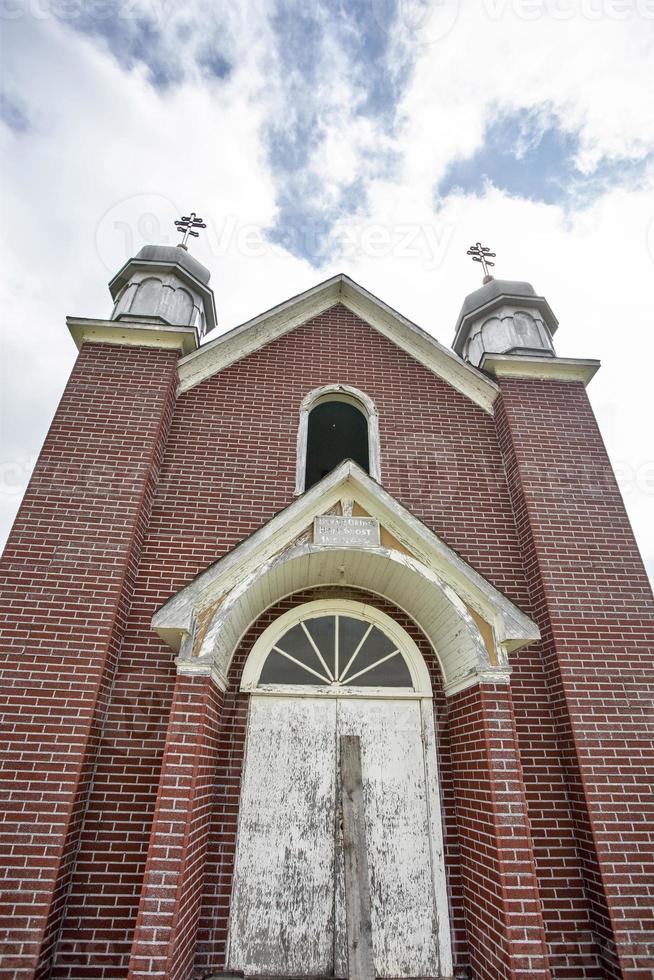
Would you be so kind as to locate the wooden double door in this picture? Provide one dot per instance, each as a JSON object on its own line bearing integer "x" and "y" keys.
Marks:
{"x": 288, "y": 915}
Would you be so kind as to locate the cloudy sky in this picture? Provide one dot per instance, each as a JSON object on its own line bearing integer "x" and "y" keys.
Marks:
{"x": 375, "y": 137}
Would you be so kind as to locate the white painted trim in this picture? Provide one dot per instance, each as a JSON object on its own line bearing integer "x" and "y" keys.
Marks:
{"x": 428, "y": 580}
{"x": 497, "y": 675}
{"x": 312, "y": 560}
{"x": 342, "y": 393}
{"x": 512, "y": 627}
{"x": 540, "y": 368}
{"x": 435, "y": 823}
{"x": 360, "y": 693}
{"x": 346, "y": 607}
{"x": 204, "y": 668}
{"x": 199, "y": 668}
{"x": 132, "y": 334}
{"x": 251, "y": 336}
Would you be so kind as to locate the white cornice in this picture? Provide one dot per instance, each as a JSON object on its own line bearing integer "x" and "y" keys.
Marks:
{"x": 470, "y": 624}
{"x": 513, "y": 628}
{"x": 540, "y": 368}
{"x": 251, "y": 336}
{"x": 132, "y": 334}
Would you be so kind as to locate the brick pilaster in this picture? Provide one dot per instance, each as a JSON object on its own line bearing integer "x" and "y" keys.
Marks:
{"x": 591, "y": 598}
{"x": 502, "y": 904}
{"x": 66, "y": 579}
{"x": 169, "y": 910}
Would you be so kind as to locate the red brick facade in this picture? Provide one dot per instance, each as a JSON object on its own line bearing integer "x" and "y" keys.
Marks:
{"x": 120, "y": 811}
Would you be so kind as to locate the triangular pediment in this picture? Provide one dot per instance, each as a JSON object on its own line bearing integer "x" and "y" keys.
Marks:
{"x": 347, "y": 529}
{"x": 249, "y": 337}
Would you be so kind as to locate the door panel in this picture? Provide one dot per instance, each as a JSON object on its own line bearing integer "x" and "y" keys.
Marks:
{"x": 404, "y": 924}
{"x": 288, "y": 905}
{"x": 282, "y": 919}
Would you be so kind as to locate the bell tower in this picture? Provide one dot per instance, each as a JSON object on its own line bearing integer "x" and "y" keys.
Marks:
{"x": 506, "y": 329}
{"x": 164, "y": 284}
{"x": 587, "y": 589}
{"x": 504, "y": 317}
{"x": 161, "y": 298}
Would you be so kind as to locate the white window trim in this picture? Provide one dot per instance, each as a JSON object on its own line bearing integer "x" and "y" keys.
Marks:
{"x": 346, "y": 607}
{"x": 337, "y": 393}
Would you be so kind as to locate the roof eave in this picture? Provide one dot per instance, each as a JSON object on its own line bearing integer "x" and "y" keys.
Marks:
{"x": 254, "y": 334}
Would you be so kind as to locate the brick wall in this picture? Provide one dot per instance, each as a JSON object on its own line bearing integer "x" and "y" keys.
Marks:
{"x": 593, "y": 602}
{"x": 166, "y": 929}
{"x": 67, "y": 578}
{"x": 228, "y": 466}
{"x": 501, "y": 893}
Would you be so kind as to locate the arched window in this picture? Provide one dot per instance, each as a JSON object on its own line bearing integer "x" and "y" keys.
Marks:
{"x": 336, "y": 423}
{"x": 336, "y": 431}
{"x": 338, "y": 648}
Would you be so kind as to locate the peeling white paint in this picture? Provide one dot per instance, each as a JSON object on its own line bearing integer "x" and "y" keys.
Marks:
{"x": 417, "y": 590}
{"x": 352, "y": 396}
{"x": 261, "y": 552}
{"x": 218, "y": 354}
{"x": 282, "y": 914}
{"x": 427, "y": 579}
{"x": 288, "y": 913}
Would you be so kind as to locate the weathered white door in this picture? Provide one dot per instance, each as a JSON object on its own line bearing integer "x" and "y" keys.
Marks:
{"x": 288, "y": 912}
{"x": 405, "y": 930}
{"x": 282, "y": 914}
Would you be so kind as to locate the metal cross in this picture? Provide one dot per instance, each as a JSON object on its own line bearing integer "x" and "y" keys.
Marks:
{"x": 186, "y": 226}
{"x": 482, "y": 254}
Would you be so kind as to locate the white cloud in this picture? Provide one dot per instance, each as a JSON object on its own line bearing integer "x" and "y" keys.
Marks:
{"x": 109, "y": 161}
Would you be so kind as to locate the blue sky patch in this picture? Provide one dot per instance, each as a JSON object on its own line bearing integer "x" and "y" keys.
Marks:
{"x": 528, "y": 155}
{"x": 303, "y": 34}
{"x": 13, "y": 114}
{"x": 214, "y": 63}
{"x": 522, "y": 155}
{"x": 158, "y": 44}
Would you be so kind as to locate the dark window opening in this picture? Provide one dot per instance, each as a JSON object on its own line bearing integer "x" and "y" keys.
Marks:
{"x": 337, "y": 431}
{"x": 338, "y": 651}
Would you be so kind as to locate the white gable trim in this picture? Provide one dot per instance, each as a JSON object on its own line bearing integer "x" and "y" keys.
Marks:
{"x": 218, "y": 354}
{"x": 415, "y": 589}
{"x": 431, "y": 583}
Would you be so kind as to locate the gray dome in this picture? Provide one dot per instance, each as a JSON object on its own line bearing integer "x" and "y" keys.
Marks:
{"x": 504, "y": 316}
{"x": 491, "y": 290}
{"x": 175, "y": 254}
{"x": 164, "y": 284}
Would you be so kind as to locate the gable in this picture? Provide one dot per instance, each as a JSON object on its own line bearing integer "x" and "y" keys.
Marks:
{"x": 472, "y": 626}
{"x": 251, "y": 336}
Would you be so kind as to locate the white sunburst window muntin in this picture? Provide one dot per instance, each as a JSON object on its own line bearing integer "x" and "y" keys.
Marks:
{"x": 336, "y": 648}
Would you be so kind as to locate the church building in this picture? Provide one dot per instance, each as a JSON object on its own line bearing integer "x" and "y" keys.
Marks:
{"x": 327, "y": 652}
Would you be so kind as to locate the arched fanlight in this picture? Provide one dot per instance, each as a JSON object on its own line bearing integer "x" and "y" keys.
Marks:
{"x": 336, "y": 647}
{"x": 337, "y": 650}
